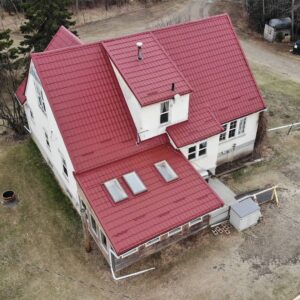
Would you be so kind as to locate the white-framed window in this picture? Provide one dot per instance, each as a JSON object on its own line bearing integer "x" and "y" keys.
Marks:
{"x": 64, "y": 166}
{"x": 195, "y": 221}
{"x": 242, "y": 126}
{"x": 164, "y": 112}
{"x": 166, "y": 171}
{"x": 223, "y": 134}
{"x": 232, "y": 129}
{"x": 130, "y": 252}
{"x": 40, "y": 97}
{"x": 47, "y": 140}
{"x": 202, "y": 148}
{"x": 192, "y": 152}
{"x": 153, "y": 241}
{"x": 174, "y": 231}
{"x": 197, "y": 150}
{"x": 115, "y": 190}
{"x": 135, "y": 183}
{"x": 103, "y": 240}
{"x": 94, "y": 225}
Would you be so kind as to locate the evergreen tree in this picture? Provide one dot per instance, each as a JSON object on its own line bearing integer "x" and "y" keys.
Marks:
{"x": 43, "y": 19}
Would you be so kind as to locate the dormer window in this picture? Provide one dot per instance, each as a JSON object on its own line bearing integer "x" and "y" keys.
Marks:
{"x": 164, "y": 112}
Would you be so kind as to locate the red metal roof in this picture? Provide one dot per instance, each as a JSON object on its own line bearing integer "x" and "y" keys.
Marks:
{"x": 162, "y": 207}
{"x": 20, "y": 92}
{"x": 88, "y": 105}
{"x": 209, "y": 55}
{"x": 63, "y": 39}
{"x": 151, "y": 78}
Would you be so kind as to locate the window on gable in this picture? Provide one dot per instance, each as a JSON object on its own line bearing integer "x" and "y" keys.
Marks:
{"x": 232, "y": 129}
{"x": 40, "y": 97}
{"x": 202, "y": 148}
{"x": 135, "y": 183}
{"x": 166, "y": 171}
{"x": 164, "y": 112}
{"x": 115, "y": 190}
{"x": 64, "y": 165}
{"x": 192, "y": 152}
{"x": 242, "y": 125}
{"x": 223, "y": 134}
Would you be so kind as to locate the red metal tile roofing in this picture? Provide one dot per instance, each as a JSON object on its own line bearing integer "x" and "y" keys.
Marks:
{"x": 63, "y": 39}
{"x": 88, "y": 105}
{"x": 162, "y": 207}
{"x": 209, "y": 55}
{"x": 151, "y": 78}
{"x": 20, "y": 92}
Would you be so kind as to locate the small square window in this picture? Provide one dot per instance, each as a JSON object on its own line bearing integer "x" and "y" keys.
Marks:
{"x": 202, "y": 148}
{"x": 223, "y": 134}
{"x": 164, "y": 112}
{"x": 232, "y": 129}
{"x": 192, "y": 152}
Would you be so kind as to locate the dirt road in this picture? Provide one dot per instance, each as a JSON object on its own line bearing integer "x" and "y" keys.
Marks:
{"x": 175, "y": 11}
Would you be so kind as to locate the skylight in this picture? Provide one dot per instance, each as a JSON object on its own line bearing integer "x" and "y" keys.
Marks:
{"x": 115, "y": 190}
{"x": 135, "y": 183}
{"x": 166, "y": 171}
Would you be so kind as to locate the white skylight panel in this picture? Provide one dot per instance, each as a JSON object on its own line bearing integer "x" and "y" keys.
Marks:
{"x": 135, "y": 183}
{"x": 166, "y": 171}
{"x": 115, "y": 190}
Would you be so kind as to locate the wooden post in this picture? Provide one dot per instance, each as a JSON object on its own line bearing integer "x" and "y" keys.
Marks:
{"x": 86, "y": 233}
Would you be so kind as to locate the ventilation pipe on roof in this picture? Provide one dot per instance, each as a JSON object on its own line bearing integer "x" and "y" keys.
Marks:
{"x": 139, "y": 46}
{"x": 173, "y": 87}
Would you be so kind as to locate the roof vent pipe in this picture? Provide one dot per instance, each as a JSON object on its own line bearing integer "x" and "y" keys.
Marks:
{"x": 139, "y": 46}
{"x": 173, "y": 86}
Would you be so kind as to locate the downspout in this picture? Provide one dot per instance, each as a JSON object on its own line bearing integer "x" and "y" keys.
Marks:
{"x": 125, "y": 276}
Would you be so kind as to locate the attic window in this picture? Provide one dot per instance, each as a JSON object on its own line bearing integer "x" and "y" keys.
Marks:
{"x": 135, "y": 183}
{"x": 115, "y": 190}
{"x": 166, "y": 171}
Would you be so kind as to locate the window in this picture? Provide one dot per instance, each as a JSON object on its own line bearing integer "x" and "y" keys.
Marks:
{"x": 94, "y": 225}
{"x": 242, "y": 126}
{"x": 31, "y": 114}
{"x": 130, "y": 252}
{"x": 166, "y": 171}
{"x": 223, "y": 134}
{"x": 39, "y": 94}
{"x": 195, "y": 221}
{"x": 153, "y": 241}
{"x": 83, "y": 205}
{"x": 202, "y": 148}
{"x": 174, "y": 231}
{"x": 192, "y": 153}
{"x": 232, "y": 129}
{"x": 47, "y": 139}
{"x": 135, "y": 183}
{"x": 65, "y": 169}
{"x": 164, "y": 112}
{"x": 115, "y": 190}
{"x": 103, "y": 240}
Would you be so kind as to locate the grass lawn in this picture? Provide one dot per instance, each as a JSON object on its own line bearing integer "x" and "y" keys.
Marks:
{"x": 42, "y": 254}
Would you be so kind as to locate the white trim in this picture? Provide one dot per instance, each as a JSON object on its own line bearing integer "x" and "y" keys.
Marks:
{"x": 196, "y": 221}
{"x": 175, "y": 231}
{"x": 130, "y": 252}
{"x": 153, "y": 241}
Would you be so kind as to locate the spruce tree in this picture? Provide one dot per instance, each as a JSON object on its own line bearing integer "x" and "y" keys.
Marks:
{"x": 43, "y": 19}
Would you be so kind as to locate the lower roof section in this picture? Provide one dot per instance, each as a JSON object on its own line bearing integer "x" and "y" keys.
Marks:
{"x": 163, "y": 206}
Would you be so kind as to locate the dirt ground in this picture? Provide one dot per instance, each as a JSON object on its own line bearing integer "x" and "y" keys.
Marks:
{"x": 41, "y": 253}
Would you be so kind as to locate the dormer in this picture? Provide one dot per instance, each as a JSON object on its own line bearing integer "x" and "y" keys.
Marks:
{"x": 155, "y": 91}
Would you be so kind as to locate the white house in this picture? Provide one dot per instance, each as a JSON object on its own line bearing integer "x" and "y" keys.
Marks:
{"x": 130, "y": 126}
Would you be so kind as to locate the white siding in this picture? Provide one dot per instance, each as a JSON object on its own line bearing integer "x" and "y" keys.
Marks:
{"x": 147, "y": 118}
{"x": 46, "y": 123}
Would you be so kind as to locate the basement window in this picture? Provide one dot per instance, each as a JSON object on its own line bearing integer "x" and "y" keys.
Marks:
{"x": 152, "y": 242}
{"x": 135, "y": 183}
{"x": 166, "y": 171}
{"x": 115, "y": 190}
{"x": 174, "y": 231}
{"x": 164, "y": 112}
{"x": 192, "y": 153}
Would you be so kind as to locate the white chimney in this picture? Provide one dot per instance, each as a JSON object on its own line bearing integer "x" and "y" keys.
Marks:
{"x": 139, "y": 46}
